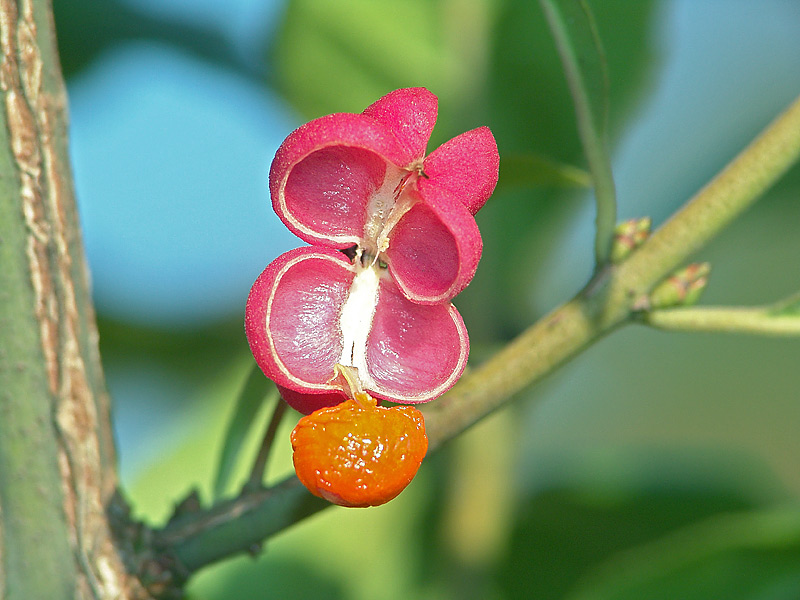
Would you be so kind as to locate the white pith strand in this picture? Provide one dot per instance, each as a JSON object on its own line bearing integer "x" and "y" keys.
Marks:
{"x": 356, "y": 318}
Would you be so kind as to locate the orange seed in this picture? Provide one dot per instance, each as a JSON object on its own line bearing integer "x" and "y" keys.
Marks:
{"x": 358, "y": 453}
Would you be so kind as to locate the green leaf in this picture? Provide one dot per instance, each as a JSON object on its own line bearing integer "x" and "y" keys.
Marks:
{"x": 88, "y": 28}
{"x": 344, "y": 55}
{"x": 585, "y": 512}
{"x": 255, "y": 393}
{"x": 733, "y": 556}
{"x": 533, "y": 170}
{"x": 573, "y": 27}
{"x": 583, "y": 58}
{"x": 285, "y": 577}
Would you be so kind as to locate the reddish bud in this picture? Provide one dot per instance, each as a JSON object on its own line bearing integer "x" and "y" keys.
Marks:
{"x": 628, "y": 236}
{"x": 682, "y": 288}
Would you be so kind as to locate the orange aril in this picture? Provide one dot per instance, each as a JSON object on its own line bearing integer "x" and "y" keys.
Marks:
{"x": 358, "y": 453}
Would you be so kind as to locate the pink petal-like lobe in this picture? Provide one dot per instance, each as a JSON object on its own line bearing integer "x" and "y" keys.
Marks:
{"x": 417, "y": 350}
{"x": 292, "y": 317}
{"x": 329, "y": 190}
{"x": 434, "y": 249}
{"x": 466, "y": 166}
{"x": 410, "y": 114}
{"x": 295, "y": 326}
{"x": 348, "y": 180}
{"x": 350, "y": 153}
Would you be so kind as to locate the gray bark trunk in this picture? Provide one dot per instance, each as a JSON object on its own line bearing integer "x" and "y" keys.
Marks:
{"x": 57, "y": 464}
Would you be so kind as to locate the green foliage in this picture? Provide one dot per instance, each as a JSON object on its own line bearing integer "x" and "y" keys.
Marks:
{"x": 533, "y": 170}
{"x": 87, "y": 28}
{"x": 644, "y": 528}
{"x": 273, "y": 578}
{"x": 754, "y": 554}
{"x": 255, "y": 393}
{"x": 342, "y": 56}
{"x": 578, "y": 42}
{"x": 531, "y": 112}
{"x": 584, "y": 62}
{"x": 531, "y": 107}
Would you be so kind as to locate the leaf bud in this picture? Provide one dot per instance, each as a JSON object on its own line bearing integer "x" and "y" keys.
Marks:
{"x": 628, "y": 236}
{"x": 682, "y": 288}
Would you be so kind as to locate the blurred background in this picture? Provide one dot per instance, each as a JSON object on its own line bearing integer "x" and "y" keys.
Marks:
{"x": 655, "y": 465}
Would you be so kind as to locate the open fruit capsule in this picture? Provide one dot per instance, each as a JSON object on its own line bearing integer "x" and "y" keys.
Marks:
{"x": 357, "y": 453}
{"x": 393, "y": 239}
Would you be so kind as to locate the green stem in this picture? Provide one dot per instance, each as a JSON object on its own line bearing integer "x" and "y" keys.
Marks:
{"x": 589, "y": 129}
{"x": 537, "y": 352}
{"x": 607, "y": 302}
{"x": 239, "y": 525}
{"x": 259, "y": 466}
{"x": 724, "y": 198}
{"x": 724, "y": 319}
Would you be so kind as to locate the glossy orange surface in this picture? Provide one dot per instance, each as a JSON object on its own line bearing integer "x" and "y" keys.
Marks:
{"x": 357, "y": 453}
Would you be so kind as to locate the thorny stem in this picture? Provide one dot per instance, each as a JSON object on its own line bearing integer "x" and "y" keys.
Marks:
{"x": 606, "y": 303}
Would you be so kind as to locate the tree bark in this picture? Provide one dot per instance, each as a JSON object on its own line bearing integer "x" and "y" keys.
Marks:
{"x": 57, "y": 462}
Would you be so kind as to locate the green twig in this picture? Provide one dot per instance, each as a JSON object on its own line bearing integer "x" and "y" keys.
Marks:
{"x": 781, "y": 318}
{"x": 606, "y": 304}
{"x": 257, "y": 391}
{"x": 260, "y": 464}
{"x": 715, "y": 206}
{"x": 724, "y": 319}
{"x": 199, "y": 539}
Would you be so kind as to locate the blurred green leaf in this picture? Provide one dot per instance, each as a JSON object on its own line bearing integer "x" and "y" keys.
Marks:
{"x": 255, "y": 393}
{"x": 195, "y": 356}
{"x": 587, "y": 513}
{"x": 731, "y": 556}
{"x": 531, "y": 170}
{"x": 575, "y": 33}
{"x": 530, "y": 102}
{"x": 87, "y": 28}
{"x": 188, "y": 455}
{"x": 342, "y": 56}
{"x": 270, "y": 577}
{"x": 578, "y": 42}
